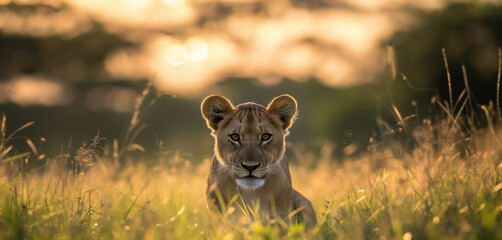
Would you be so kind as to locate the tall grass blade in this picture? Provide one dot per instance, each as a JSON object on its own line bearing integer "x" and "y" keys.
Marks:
{"x": 448, "y": 76}
{"x": 18, "y": 130}
{"x": 398, "y": 115}
{"x": 468, "y": 90}
{"x": 5, "y": 151}
{"x": 391, "y": 70}
{"x": 137, "y": 197}
{"x": 391, "y": 60}
{"x": 445, "y": 108}
{"x": 459, "y": 113}
{"x": 101, "y": 163}
{"x": 32, "y": 146}
{"x": 2, "y": 132}
{"x": 459, "y": 99}
{"x": 490, "y": 125}
{"x": 141, "y": 106}
{"x": 22, "y": 155}
{"x": 498, "y": 85}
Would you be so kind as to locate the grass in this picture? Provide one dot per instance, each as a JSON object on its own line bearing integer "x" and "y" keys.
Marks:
{"x": 424, "y": 178}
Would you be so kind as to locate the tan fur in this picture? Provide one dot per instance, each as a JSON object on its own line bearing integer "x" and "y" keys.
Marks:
{"x": 269, "y": 185}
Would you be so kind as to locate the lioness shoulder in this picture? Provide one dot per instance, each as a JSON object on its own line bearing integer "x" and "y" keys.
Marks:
{"x": 249, "y": 160}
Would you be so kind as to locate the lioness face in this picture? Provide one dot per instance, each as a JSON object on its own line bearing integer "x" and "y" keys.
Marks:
{"x": 250, "y": 139}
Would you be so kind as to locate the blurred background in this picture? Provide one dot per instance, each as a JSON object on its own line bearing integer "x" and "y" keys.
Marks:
{"x": 76, "y": 67}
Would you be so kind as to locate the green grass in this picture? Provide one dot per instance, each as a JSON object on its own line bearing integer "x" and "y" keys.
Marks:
{"x": 424, "y": 178}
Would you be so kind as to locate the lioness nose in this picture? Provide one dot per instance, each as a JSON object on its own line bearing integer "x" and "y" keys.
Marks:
{"x": 250, "y": 166}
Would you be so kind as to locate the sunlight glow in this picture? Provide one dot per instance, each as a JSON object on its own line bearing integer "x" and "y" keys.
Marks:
{"x": 174, "y": 2}
{"x": 28, "y": 90}
{"x": 40, "y": 24}
{"x": 180, "y": 66}
{"x": 204, "y": 44}
{"x": 335, "y": 71}
{"x": 175, "y": 54}
{"x": 298, "y": 62}
{"x": 197, "y": 49}
{"x": 137, "y": 3}
{"x": 139, "y": 13}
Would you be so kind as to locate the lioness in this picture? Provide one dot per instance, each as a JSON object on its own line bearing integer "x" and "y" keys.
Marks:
{"x": 249, "y": 160}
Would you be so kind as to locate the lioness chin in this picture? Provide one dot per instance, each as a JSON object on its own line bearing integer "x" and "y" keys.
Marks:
{"x": 249, "y": 160}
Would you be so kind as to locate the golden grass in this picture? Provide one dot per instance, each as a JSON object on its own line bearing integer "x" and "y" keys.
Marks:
{"x": 434, "y": 191}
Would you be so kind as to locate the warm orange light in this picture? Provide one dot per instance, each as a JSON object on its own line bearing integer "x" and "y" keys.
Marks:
{"x": 26, "y": 90}
{"x": 174, "y": 54}
{"x": 196, "y": 49}
{"x": 200, "y": 47}
{"x": 299, "y": 43}
{"x": 139, "y": 14}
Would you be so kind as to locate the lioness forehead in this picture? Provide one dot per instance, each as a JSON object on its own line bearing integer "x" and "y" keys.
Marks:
{"x": 250, "y": 113}
{"x": 249, "y": 118}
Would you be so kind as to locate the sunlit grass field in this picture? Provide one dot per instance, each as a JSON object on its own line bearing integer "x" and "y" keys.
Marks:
{"x": 431, "y": 177}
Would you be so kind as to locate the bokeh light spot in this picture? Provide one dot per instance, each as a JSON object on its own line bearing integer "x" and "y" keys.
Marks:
{"x": 175, "y": 55}
{"x": 197, "y": 49}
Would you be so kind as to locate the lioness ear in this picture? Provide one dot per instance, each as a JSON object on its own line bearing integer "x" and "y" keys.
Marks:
{"x": 284, "y": 107}
{"x": 214, "y": 109}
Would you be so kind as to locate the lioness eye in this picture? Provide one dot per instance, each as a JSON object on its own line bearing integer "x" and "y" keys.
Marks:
{"x": 265, "y": 137}
{"x": 234, "y": 137}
